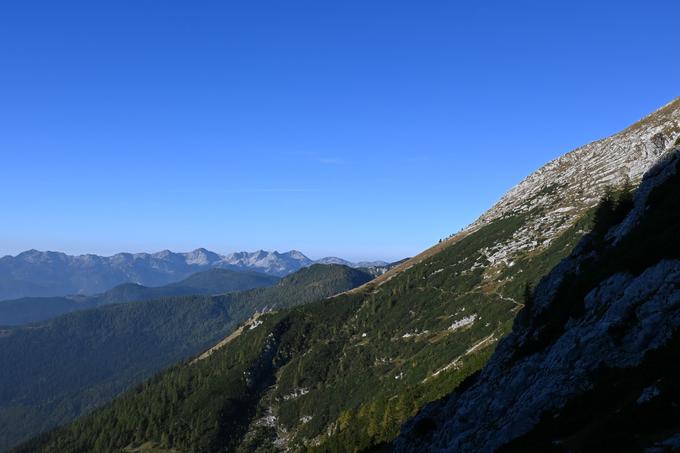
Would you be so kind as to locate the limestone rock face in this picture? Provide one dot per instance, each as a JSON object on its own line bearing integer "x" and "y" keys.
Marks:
{"x": 596, "y": 349}
{"x": 555, "y": 195}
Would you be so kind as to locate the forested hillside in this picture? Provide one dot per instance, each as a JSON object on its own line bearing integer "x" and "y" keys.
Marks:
{"x": 352, "y": 368}
{"x": 210, "y": 282}
{"x": 67, "y": 366}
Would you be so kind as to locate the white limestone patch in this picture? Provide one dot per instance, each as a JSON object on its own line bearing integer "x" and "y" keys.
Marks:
{"x": 463, "y": 322}
{"x": 297, "y": 393}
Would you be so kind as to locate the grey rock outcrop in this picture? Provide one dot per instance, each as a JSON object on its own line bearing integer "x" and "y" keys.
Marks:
{"x": 588, "y": 332}
{"x": 557, "y": 194}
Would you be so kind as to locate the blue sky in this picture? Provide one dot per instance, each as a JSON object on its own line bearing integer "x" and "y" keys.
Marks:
{"x": 363, "y": 129}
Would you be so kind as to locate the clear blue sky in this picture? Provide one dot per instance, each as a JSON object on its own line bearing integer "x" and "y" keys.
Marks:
{"x": 364, "y": 129}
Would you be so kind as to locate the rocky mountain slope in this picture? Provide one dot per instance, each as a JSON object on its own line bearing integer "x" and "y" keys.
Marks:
{"x": 210, "y": 282}
{"x": 591, "y": 364}
{"x": 57, "y": 370}
{"x": 555, "y": 196}
{"x": 347, "y": 372}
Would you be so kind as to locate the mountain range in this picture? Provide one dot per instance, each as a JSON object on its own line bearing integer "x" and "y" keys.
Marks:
{"x": 549, "y": 324}
{"x": 44, "y": 274}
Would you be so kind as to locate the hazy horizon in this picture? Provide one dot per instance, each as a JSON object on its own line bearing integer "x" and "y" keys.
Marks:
{"x": 219, "y": 252}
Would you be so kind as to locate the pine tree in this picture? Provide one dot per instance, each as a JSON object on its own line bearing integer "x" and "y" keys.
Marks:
{"x": 527, "y": 296}
{"x": 604, "y": 212}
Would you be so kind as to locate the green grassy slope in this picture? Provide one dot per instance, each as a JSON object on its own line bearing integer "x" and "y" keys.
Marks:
{"x": 60, "y": 369}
